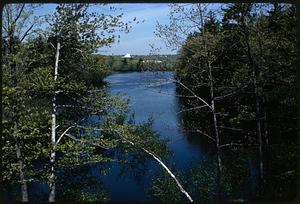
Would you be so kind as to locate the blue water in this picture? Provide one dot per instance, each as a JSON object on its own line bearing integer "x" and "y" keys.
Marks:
{"x": 152, "y": 94}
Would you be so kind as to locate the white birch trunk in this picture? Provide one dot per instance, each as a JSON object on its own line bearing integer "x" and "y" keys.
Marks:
{"x": 216, "y": 132}
{"x": 166, "y": 168}
{"x": 217, "y": 138}
{"x": 53, "y": 130}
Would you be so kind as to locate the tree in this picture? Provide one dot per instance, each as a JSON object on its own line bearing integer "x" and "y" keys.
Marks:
{"x": 17, "y": 25}
{"x": 66, "y": 21}
{"x": 139, "y": 65}
{"x": 73, "y": 25}
{"x": 251, "y": 23}
{"x": 198, "y": 53}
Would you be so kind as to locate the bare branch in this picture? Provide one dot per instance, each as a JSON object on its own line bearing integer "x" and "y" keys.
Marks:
{"x": 231, "y": 144}
{"x": 88, "y": 128}
{"x": 19, "y": 14}
{"x": 232, "y": 93}
{"x": 65, "y": 132}
{"x": 193, "y": 93}
{"x": 52, "y": 45}
{"x": 176, "y": 95}
{"x": 189, "y": 109}
{"x": 27, "y": 32}
{"x": 160, "y": 163}
{"x": 167, "y": 169}
{"x": 90, "y": 143}
{"x": 238, "y": 144}
{"x": 197, "y": 130}
{"x": 74, "y": 106}
{"x": 230, "y": 128}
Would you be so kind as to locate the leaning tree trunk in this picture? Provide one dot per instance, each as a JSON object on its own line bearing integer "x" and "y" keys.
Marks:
{"x": 53, "y": 130}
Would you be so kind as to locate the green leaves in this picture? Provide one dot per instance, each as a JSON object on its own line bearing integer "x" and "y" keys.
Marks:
{"x": 165, "y": 189}
{"x": 137, "y": 137}
{"x": 253, "y": 81}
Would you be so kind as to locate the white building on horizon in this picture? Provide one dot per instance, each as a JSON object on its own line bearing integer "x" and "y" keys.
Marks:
{"x": 127, "y": 56}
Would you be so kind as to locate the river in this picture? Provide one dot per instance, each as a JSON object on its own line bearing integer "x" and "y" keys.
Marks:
{"x": 152, "y": 94}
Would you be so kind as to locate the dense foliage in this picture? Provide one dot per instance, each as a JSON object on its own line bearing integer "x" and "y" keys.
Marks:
{"x": 251, "y": 53}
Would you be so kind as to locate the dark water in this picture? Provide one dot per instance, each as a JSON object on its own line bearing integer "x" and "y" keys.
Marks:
{"x": 152, "y": 95}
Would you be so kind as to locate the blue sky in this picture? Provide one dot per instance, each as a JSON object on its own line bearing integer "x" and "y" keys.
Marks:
{"x": 140, "y": 36}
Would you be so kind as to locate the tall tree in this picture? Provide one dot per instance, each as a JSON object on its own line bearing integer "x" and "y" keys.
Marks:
{"x": 75, "y": 29}
{"x": 198, "y": 56}
{"x": 16, "y": 26}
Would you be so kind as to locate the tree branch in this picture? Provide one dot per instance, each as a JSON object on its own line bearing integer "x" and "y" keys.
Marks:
{"x": 229, "y": 128}
{"x": 160, "y": 163}
{"x": 165, "y": 167}
{"x": 65, "y": 132}
{"x": 19, "y": 14}
{"x": 189, "y": 109}
{"x": 197, "y": 130}
{"x": 27, "y": 32}
{"x": 193, "y": 93}
{"x": 90, "y": 143}
{"x": 237, "y": 144}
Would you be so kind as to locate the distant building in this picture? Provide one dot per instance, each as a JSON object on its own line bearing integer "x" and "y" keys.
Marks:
{"x": 127, "y": 56}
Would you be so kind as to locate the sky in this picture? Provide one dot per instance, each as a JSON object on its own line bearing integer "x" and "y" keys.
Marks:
{"x": 138, "y": 40}
{"x": 141, "y": 35}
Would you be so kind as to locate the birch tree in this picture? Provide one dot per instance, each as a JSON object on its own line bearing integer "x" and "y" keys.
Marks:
{"x": 73, "y": 24}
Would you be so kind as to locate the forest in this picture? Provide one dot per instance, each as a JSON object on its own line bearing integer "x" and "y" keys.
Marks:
{"x": 235, "y": 86}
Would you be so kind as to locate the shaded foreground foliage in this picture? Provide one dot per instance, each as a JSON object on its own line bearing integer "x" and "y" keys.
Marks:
{"x": 241, "y": 60}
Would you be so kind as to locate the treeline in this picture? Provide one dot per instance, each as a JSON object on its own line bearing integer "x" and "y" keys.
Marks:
{"x": 240, "y": 69}
{"x": 142, "y": 63}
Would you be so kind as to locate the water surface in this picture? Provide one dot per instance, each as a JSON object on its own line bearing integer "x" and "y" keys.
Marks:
{"x": 152, "y": 94}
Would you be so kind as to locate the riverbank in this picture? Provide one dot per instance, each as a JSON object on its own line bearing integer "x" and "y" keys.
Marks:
{"x": 141, "y": 62}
